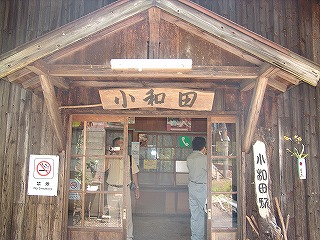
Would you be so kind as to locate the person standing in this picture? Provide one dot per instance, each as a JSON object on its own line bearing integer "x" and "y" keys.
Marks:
{"x": 115, "y": 182}
{"x": 198, "y": 168}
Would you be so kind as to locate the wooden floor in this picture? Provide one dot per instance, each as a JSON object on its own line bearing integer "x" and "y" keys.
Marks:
{"x": 172, "y": 227}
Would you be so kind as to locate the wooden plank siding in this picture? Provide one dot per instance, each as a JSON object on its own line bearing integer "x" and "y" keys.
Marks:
{"x": 279, "y": 20}
{"x": 25, "y": 129}
{"x": 25, "y": 122}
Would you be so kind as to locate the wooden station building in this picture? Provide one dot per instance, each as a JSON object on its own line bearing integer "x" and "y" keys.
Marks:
{"x": 75, "y": 74}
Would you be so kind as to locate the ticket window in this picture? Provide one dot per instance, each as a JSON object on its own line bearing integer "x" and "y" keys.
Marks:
{"x": 162, "y": 159}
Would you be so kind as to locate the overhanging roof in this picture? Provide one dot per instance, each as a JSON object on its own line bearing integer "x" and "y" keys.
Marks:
{"x": 33, "y": 63}
{"x": 221, "y": 28}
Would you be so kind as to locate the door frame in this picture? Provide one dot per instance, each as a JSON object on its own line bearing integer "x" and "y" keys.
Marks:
{"x": 241, "y": 220}
{"x": 78, "y": 231}
{"x": 211, "y": 118}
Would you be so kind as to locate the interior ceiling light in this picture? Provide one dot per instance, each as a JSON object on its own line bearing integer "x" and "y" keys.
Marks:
{"x": 151, "y": 64}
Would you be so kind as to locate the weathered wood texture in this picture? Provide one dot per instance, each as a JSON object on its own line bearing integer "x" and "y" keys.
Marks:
{"x": 300, "y": 198}
{"x": 25, "y": 125}
{"x": 295, "y": 112}
{"x": 25, "y": 129}
{"x": 292, "y": 24}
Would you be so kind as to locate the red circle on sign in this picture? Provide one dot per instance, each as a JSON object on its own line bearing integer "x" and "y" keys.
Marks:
{"x": 73, "y": 185}
{"x": 43, "y": 168}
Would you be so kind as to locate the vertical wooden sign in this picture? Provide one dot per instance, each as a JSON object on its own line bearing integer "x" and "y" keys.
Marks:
{"x": 261, "y": 178}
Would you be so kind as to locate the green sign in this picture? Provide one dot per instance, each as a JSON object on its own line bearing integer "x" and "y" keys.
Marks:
{"x": 185, "y": 142}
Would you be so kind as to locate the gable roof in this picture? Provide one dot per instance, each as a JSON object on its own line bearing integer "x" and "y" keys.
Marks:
{"x": 220, "y": 28}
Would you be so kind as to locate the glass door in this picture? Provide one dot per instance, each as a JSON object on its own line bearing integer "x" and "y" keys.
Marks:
{"x": 95, "y": 201}
{"x": 223, "y": 187}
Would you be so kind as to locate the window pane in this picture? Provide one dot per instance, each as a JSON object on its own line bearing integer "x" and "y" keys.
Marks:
{"x": 76, "y": 173}
{"x": 100, "y": 210}
{"x": 152, "y": 140}
{"x": 89, "y": 206}
{"x": 166, "y": 153}
{"x": 111, "y": 210}
{"x": 183, "y": 153}
{"x": 224, "y": 175}
{"x": 74, "y": 209}
{"x": 95, "y": 141}
{"x": 77, "y": 139}
{"x": 166, "y": 166}
{"x": 95, "y": 170}
{"x": 224, "y": 179}
{"x": 165, "y": 140}
{"x": 143, "y": 152}
{"x": 162, "y": 155}
{"x": 149, "y": 153}
{"x": 224, "y": 210}
{"x": 224, "y": 139}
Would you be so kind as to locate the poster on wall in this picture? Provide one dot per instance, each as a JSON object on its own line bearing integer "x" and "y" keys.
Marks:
{"x": 74, "y": 184}
{"x": 43, "y": 175}
{"x": 179, "y": 124}
{"x": 150, "y": 164}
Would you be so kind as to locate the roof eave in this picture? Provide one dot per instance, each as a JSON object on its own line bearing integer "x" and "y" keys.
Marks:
{"x": 219, "y": 27}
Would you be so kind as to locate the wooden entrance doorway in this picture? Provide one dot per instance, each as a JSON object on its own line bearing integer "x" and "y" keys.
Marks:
{"x": 163, "y": 177}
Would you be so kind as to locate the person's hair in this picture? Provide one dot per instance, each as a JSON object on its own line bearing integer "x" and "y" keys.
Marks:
{"x": 116, "y": 139}
{"x": 198, "y": 143}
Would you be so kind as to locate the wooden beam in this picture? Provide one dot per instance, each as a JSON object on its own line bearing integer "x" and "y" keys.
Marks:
{"x": 273, "y": 82}
{"x": 53, "y": 109}
{"x": 276, "y": 55}
{"x": 197, "y": 72}
{"x": 288, "y": 77}
{"x": 247, "y": 85}
{"x": 69, "y": 34}
{"x": 32, "y": 82}
{"x": 255, "y": 106}
{"x": 40, "y": 67}
{"x": 212, "y": 39}
{"x": 246, "y": 42}
{"x": 154, "y": 33}
{"x": 18, "y": 74}
{"x": 95, "y": 37}
{"x": 207, "y": 85}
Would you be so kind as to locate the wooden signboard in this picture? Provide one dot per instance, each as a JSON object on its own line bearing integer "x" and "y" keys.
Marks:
{"x": 182, "y": 99}
{"x": 261, "y": 175}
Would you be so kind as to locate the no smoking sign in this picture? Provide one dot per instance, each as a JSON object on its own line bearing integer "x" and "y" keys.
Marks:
{"x": 43, "y": 168}
{"x": 43, "y": 175}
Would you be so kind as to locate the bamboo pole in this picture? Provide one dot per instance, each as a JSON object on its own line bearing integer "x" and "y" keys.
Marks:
{"x": 81, "y": 106}
{"x": 284, "y": 231}
{"x": 252, "y": 225}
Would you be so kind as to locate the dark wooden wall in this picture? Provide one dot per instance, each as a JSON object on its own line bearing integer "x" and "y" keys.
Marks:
{"x": 299, "y": 115}
{"x": 290, "y": 23}
{"x": 25, "y": 129}
{"x": 25, "y": 126}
